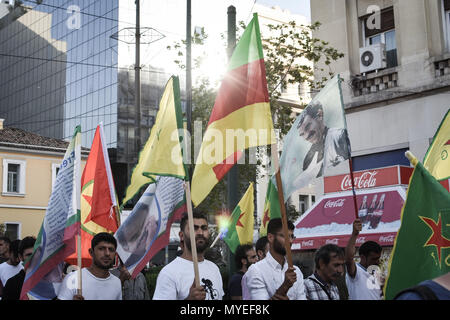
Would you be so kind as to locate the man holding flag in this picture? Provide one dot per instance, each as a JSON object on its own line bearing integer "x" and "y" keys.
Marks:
{"x": 176, "y": 280}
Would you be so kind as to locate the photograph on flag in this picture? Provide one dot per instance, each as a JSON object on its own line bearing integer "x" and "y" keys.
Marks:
{"x": 148, "y": 221}
{"x": 317, "y": 140}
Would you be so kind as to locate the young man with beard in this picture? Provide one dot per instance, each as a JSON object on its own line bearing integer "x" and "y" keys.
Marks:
{"x": 271, "y": 278}
{"x": 4, "y": 249}
{"x": 97, "y": 282}
{"x": 244, "y": 256}
{"x": 176, "y": 281}
{"x": 329, "y": 261}
{"x": 11, "y": 267}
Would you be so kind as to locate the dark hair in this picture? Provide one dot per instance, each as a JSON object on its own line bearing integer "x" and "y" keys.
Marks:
{"x": 6, "y": 239}
{"x": 276, "y": 225}
{"x": 27, "y": 242}
{"x": 261, "y": 244}
{"x": 368, "y": 247}
{"x": 324, "y": 253}
{"x": 311, "y": 110}
{"x": 196, "y": 214}
{"x": 14, "y": 247}
{"x": 241, "y": 253}
{"x": 103, "y": 236}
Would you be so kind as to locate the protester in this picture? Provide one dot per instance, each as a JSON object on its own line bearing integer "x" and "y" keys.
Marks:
{"x": 271, "y": 278}
{"x": 132, "y": 289}
{"x": 436, "y": 289}
{"x": 13, "y": 286}
{"x": 244, "y": 256}
{"x": 360, "y": 283}
{"x": 262, "y": 247}
{"x": 97, "y": 282}
{"x": 11, "y": 267}
{"x": 4, "y": 249}
{"x": 329, "y": 266}
{"x": 176, "y": 281}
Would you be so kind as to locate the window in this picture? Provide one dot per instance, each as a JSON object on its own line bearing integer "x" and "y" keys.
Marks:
{"x": 14, "y": 177}
{"x": 55, "y": 170}
{"x": 12, "y": 230}
{"x": 446, "y": 22}
{"x": 303, "y": 203}
{"x": 385, "y": 34}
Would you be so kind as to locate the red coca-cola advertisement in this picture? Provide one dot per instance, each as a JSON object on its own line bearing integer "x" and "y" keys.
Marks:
{"x": 330, "y": 219}
{"x": 389, "y": 176}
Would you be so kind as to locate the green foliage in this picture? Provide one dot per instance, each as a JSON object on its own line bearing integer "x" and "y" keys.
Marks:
{"x": 150, "y": 276}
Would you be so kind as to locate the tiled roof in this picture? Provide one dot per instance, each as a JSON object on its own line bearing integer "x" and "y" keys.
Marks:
{"x": 18, "y": 138}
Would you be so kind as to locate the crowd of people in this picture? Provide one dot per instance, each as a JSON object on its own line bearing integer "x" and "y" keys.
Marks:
{"x": 263, "y": 272}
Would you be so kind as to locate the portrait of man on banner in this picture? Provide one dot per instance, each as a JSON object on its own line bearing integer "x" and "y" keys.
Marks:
{"x": 317, "y": 141}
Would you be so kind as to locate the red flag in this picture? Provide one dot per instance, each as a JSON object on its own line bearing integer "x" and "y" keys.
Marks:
{"x": 98, "y": 198}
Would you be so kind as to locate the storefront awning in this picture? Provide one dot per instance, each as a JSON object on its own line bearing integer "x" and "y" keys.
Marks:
{"x": 330, "y": 219}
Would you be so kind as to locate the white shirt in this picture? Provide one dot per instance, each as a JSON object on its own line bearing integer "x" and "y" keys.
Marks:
{"x": 93, "y": 288}
{"x": 175, "y": 280}
{"x": 363, "y": 286}
{"x": 8, "y": 271}
{"x": 266, "y": 276}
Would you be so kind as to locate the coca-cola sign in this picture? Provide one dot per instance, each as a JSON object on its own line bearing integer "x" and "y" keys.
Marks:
{"x": 386, "y": 239}
{"x": 366, "y": 180}
{"x": 308, "y": 244}
{"x": 339, "y": 203}
{"x": 390, "y": 176}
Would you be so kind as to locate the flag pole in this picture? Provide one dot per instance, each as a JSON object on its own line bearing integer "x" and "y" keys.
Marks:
{"x": 276, "y": 161}
{"x": 191, "y": 233}
{"x": 350, "y": 164}
{"x": 79, "y": 289}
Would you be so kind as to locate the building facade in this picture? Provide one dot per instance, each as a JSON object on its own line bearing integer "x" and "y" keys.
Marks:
{"x": 28, "y": 168}
{"x": 398, "y": 105}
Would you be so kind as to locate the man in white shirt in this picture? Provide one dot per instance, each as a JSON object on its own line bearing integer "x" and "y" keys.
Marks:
{"x": 361, "y": 284}
{"x": 271, "y": 278}
{"x": 97, "y": 282}
{"x": 176, "y": 280}
{"x": 11, "y": 267}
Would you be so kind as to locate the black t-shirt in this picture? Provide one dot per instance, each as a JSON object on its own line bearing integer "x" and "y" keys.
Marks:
{"x": 13, "y": 287}
{"x": 235, "y": 287}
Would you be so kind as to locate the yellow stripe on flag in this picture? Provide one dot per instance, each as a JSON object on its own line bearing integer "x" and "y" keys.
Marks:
{"x": 245, "y": 128}
{"x": 244, "y": 226}
{"x": 437, "y": 159}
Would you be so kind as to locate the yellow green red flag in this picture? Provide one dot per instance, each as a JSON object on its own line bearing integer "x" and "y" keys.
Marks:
{"x": 437, "y": 159}
{"x": 240, "y": 118}
{"x": 240, "y": 230}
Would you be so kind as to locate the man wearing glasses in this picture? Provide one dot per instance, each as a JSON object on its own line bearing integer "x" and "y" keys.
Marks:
{"x": 271, "y": 278}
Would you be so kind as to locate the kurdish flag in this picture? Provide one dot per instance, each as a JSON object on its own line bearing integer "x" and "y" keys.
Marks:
{"x": 241, "y": 112}
{"x": 162, "y": 154}
{"x": 437, "y": 159}
{"x": 56, "y": 238}
{"x": 272, "y": 207}
{"x": 147, "y": 229}
{"x": 240, "y": 230}
{"x": 98, "y": 198}
{"x": 422, "y": 246}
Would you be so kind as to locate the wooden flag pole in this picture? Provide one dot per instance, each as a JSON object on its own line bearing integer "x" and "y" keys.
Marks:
{"x": 191, "y": 233}
{"x": 276, "y": 162}
{"x": 353, "y": 187}
{"x": 79, "y": 289}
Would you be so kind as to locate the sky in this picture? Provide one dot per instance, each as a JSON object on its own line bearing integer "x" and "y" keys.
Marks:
{"x": 294, "y": 6}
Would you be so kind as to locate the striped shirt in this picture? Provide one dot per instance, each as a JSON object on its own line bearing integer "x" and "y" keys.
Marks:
{"x": 317, "y": 289}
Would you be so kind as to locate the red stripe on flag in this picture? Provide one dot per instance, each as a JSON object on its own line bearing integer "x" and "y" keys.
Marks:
{"x": 160, "y": 242}
{"x": 243, "y": 86}
{"x": 222, "y": 168}
{"x": 445, "y": 184}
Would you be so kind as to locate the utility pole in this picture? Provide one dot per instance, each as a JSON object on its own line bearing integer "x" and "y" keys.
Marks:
{"x": 137, "y": 77}
{"x": 189, "y": 73}
{"x": 233, "y": 174}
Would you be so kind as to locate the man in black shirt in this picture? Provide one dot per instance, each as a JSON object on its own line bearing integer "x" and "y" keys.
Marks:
{"x": 245, "y": 255}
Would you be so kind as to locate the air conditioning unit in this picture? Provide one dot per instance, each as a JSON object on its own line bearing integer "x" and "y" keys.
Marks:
{"x": 372, "y": 57}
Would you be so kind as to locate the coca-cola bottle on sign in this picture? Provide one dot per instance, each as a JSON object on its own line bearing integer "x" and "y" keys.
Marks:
{"x": 376, "y": 215}
{"x": 362, "y": 212}
{"x": 371, "y": 210}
